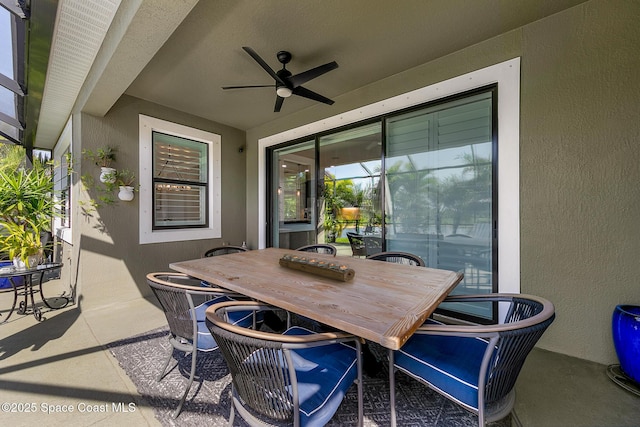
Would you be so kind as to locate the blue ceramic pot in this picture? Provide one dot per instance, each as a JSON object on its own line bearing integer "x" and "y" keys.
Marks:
{"x": 4, "y": 282}
{"x": 626, "y": 338}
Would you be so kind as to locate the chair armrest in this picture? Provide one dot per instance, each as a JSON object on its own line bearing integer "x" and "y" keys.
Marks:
{"x": 195, "y": 289}
{"x": 548, "y": 311}
{"x": 316, "y": 338}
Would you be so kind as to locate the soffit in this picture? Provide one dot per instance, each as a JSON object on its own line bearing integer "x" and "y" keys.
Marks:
{"x": 81, "y": 26}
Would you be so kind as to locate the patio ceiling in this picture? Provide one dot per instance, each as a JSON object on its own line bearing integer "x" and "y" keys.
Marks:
{"x": 179, "y": 54}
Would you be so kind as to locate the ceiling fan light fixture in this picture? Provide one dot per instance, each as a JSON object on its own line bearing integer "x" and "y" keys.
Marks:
{"x": 284, "y": 92}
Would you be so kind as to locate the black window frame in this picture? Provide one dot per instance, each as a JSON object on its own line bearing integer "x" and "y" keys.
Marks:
{"x": 155, "y": 180}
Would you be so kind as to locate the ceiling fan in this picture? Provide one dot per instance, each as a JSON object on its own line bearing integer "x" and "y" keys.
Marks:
{"x": 287, "y": 84}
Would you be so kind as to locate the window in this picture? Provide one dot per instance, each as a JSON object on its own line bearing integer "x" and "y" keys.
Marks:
{"x": 62, "y": 172}
{"x": 179, "y": 182}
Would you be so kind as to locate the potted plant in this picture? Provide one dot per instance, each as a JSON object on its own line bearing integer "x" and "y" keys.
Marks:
{"x": 103, "y": 157}
{"x": 626, "y": 339}
{"x": 126, "y": 178}
{"x": 22, "y": 243}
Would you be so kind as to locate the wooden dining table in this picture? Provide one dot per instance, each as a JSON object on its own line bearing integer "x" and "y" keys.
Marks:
{"x": 383, "y": 302}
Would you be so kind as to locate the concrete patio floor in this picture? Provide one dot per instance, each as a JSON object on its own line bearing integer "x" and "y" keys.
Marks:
{"x": 50, "y": 368}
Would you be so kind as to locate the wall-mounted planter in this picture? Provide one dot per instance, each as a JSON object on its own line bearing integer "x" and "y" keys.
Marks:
{"x": 108, "y": 175}
{"x": 626, "y": 338}
{"x": 125, "y": 193}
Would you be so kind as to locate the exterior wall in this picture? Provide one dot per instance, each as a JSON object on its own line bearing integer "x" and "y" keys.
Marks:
{"x": 111, "y": 264}
{"x": 579, "y": 161}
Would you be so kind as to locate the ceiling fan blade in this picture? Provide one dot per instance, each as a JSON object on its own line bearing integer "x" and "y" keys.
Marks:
{"x": 263, "y": 64}
{"x": 279, "y": 101}
{"x": 302, "y": 78}
{"x": 246, "y": 86}
{"x": 300, "y": 91}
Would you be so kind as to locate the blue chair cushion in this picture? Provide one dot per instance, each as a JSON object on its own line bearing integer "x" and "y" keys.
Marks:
{"x": 205, "y": 339}
{"x": 451, "y": 364}
{"x": 324, "y": 374}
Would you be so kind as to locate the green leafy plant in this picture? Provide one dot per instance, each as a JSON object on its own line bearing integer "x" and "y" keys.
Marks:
{"x": 22, "y": 241}
{"x": 103, "y": 156}
{"x": 27, "y": 207}
{"x": 126, "y": 178}
{"x": 27, "y": 196}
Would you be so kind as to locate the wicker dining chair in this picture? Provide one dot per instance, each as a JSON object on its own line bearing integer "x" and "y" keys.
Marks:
{"x": 295, "y": 378}
{"x": 319, "y": 248}
{"x": 475, "y": 366}
{"x": 357, "y": 244}
{"x": 184, "y": 301}
{"x": 398, "y": 258}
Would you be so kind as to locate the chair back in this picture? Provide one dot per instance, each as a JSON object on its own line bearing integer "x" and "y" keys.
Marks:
{"x": 372, "y": 244}
{"x": 320, "y": 248}
{"x": 257, "y": 366}
{"x": 357, "y": 244}
{"x": 177, "y": 304}
{"x": 514, "y": 345}
{"x": 398, "y": 258}
{"x": 223, "y": 250}
{"x": 179, "y": 295}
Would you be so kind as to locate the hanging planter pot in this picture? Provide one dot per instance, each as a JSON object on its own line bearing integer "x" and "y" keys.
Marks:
{"x": 108, "y": 175}
{"x": 125, "y": 193}
{"x": 626, "y": 338}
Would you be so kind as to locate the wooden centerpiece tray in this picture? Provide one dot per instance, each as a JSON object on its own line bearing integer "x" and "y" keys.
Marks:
{"x": 309, "y": 264}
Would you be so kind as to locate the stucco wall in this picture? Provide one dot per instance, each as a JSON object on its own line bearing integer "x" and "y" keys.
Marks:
{"x": 112, "y": 265}
{"x": 579, "y": 162}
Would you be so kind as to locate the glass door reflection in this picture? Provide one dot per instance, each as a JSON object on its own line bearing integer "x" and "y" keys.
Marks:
{"x": 350, "y": 197}
{"x": 293, "y": 176}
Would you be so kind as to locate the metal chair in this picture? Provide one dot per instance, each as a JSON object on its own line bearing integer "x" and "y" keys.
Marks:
{"x": 357, "y": 244}
{"x": 184, "y": 302}
{"x": 320, "y": 248}
{"x": 224, "y": 250}
{"x": 475, "y": 366}
{"x": 398, "y": 258}
{"x": 296, "y": 378}
{"x": 372, "y": 244}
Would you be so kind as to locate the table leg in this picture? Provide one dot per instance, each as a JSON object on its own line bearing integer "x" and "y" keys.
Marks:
{"x": 37, "y": 313}
{"x": 15, "y": 299}
{"x": 392, "y": 389}
{"x": 22, "y": 308}
{"x": 46, "y": 303}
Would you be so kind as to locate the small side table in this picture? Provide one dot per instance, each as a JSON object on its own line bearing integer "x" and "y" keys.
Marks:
{"x": 30, "y": 283}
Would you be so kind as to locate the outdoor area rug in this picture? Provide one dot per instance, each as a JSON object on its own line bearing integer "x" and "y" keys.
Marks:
{"x": 209, "y": 401}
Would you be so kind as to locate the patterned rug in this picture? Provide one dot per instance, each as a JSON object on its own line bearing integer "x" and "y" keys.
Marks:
{"x": 209, "y": 401}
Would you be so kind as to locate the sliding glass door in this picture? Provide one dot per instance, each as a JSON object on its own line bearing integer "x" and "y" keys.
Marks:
{"x": 419, "y": 181}
{"x": 439, "y": 195}
{"x": 293, "y": 195}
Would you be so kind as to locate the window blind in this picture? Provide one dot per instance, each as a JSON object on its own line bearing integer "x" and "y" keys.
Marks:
{"x": 180, "y": 182}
